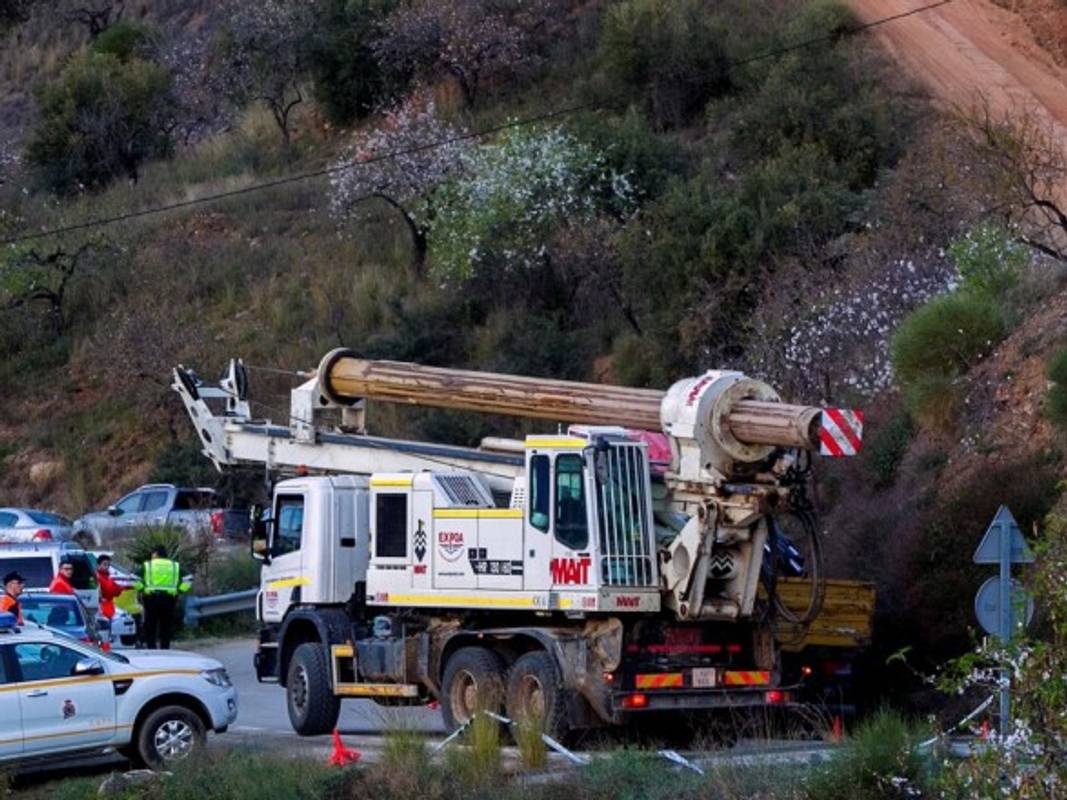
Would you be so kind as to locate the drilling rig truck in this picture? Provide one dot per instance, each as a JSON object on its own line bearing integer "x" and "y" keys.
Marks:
{"x": 579, "y": 577}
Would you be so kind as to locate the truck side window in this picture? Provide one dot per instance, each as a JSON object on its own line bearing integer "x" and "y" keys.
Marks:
{"x": 290, "y": 516}
{"x": 540, "y": 497}
{"x": 130, "y": 504}
{"x": 391, "y": 513}
{"x": 154, "y": 501}
{"x": 572, "y": 528}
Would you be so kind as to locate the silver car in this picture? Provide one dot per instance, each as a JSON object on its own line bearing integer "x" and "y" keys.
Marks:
{"x": 32, "y": 525}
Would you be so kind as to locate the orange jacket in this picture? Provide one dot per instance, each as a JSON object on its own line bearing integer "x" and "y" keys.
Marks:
{"x": 60, "y": 585}
{"x": 11, "y": 605}
{"x": 109, "y": 590}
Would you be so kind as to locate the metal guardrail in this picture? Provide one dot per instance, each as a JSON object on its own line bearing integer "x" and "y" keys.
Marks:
{"x": 198, "y": 608}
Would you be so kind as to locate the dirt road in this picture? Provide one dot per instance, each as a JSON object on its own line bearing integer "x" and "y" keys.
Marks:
{"x": 969, "y": 48}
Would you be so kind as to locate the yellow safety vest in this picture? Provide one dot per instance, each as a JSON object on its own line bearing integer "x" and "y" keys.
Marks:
{"x": 162, "y": 575}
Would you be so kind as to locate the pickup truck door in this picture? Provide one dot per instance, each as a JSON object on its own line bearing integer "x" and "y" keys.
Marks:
{"x": 11, "y": 732}
{"x": 153, "y": 509}
{"x": 61, "y": 710}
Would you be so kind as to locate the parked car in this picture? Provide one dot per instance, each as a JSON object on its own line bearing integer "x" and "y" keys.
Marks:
{"x": 198, "y": 511}
{"x": 62, "y": 699}
{"x": 65, "y": 613}
{"x": 39, "y": 562}
{"x": 32, "y": 525}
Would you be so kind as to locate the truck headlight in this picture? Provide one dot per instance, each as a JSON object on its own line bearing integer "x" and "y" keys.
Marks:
{"x": 217, "y": 677}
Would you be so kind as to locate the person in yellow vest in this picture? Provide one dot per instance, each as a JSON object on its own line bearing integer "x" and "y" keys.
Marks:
{"x": 159, "y": 585}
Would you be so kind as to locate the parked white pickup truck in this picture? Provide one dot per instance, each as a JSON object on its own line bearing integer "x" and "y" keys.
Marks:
{"x": 198, "y": 511}
{"x": 60, "y": 698}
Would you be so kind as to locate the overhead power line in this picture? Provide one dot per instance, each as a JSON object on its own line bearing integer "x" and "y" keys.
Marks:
{"x": 515, "y": 123}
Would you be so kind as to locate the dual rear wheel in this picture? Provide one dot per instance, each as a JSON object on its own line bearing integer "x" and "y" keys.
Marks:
{"x": 477, "y": 679}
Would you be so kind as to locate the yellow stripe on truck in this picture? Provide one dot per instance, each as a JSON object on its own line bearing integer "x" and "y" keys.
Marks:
{"x": 386, "y": 482}
{"x": 563, "y": 442}
{"x": 285, "y": 583}
{"x": 467, "y": 601}
{"x": 660, "y": 680}
{"x": 477, "y": 513}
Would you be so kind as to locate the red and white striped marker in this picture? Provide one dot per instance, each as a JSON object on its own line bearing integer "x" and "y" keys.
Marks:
{"x": 841, "y": 432}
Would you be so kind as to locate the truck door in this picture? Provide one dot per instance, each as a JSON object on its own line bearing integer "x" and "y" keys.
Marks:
{"x": 284, "y": 576}
{"x": 537, "y": 525}
{"x": 571, "y": 565}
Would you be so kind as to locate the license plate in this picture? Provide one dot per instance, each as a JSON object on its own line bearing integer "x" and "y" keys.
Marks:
{"x": 704, "y": 678}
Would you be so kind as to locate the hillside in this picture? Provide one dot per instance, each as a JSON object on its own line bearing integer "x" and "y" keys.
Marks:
{"x": 720, "y": 198}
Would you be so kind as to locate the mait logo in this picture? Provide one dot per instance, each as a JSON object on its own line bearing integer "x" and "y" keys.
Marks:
{"x": 450, "y": 544}
{"x": 570, "y": 570}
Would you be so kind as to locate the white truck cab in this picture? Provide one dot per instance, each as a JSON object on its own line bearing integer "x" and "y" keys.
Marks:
{"x": 60, "y": 698}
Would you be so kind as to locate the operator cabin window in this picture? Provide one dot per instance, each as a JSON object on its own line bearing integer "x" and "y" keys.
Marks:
{"x": 572, "y": 529}
{"x": 290, "y": 515}
{"x": 391, "y": 512}
{"x": 540, "y": 493}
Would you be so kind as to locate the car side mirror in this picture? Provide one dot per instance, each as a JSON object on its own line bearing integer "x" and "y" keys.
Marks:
{"x": 88, "y": 666}
{"x": 114, "y": 511}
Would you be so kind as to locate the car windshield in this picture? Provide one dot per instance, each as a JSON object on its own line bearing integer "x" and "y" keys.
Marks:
{"x": 45, "y": 518}
{"x": 37, "y": 570}
{"x": 55, "y": 612}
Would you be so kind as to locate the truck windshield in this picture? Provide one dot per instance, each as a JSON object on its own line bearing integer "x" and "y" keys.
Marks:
{"x": 572, "y": 529}
{"x": 622, "y": 506}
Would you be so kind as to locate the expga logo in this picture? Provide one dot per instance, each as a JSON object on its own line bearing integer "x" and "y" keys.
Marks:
{"x": 450, "y": 543}
{"x": 570, "y": 570}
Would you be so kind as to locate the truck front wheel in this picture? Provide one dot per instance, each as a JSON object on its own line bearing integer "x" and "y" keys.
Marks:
{"x": 313, "y": 707}
{"x": 535, "y": 693}
{"x": 473, "y": 682}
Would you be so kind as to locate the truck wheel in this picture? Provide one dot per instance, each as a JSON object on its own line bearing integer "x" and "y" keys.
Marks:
{"x": 169, "y": 734}
{"x": 313, "y": 707}
{"x": 536, "y": 693}
{"x": 473, "y": 681}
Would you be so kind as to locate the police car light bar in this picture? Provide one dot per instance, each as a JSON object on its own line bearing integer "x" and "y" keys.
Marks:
{"x": 8, "y": 621}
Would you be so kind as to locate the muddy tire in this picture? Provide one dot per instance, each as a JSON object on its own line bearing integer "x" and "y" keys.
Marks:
{"x": 473, "y": 681}
{"x": 167, "y": 736}
{"x": 313, "y": 707}
{"x": 535, "y": 693}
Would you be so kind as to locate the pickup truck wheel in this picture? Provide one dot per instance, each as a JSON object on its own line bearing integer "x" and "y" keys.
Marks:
{"x": 313, "y": 707}
{"x": 473, "y": 681}
{"x": 536, "y": 694}
{"x": 169, "y": 734}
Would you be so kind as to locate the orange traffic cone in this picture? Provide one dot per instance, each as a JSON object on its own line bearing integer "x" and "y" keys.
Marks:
{"x": 837, "y": 732}
{"x": 341, "y": 755}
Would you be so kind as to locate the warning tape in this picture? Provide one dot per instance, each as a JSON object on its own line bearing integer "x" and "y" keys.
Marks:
{"x": 982, "y": 707}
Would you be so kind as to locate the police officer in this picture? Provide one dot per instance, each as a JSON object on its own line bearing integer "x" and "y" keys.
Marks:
{"x": 160, "y": 586}
{"x": 9, "y": 597}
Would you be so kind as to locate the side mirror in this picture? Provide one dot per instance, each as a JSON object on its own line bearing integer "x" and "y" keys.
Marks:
{"x": 88, "y": 666}
{"x": 114, "y": 511}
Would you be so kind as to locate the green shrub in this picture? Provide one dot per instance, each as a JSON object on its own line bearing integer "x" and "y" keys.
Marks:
{"x": 934, "y": 400}
{"x": 348, "y": 80}
{"x": 989, "y": 260}
{"x": 175, "y": 543}
{"x": 124, "y": 40}
{"x": 99, "y": 120}
{"x": 228, "y": 571}
{"x": 670, "y": 55}
{"x": 946, "y": 337}
{"x": 885, "y": 447}
{"x": 1056, "y": 399}
{"x": 878, "y": 762}
{"x": 478, "y": 764}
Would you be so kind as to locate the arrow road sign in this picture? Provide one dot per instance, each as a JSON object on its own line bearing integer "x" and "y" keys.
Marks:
{"x": 987, "y": 606}
{"x": 1003, "y": 524}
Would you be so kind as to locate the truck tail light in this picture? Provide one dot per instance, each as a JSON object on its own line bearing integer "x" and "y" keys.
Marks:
{"x": 638, "y": 700}
{"x": 216, "y": 523}
{"x": 43, "y": 535}
{"x": 776, "y": 697}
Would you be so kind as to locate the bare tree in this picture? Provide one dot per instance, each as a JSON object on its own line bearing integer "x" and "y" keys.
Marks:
{"x": 266, "y": 55}
{"x": 470, "y": 40}
{"x": 405, "y": 181}
{"x": 1023, "y": 162}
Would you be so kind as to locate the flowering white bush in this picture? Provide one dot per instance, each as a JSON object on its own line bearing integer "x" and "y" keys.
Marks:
{"x": 514, "y": 194}
{"x": 837, "y": 346}
{"x": 421, "y": 153}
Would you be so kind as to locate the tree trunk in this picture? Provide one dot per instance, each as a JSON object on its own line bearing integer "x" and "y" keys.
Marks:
{"x": 418, "y": 237}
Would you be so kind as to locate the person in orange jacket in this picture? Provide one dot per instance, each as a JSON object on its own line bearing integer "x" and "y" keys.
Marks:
{"x": 61, "y": 582}
{"x": 109, "y": 589}
{"x": 9, "y": 595}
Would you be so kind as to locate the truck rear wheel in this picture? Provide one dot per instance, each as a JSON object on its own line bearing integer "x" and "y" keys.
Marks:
{"x": 473, "y": 682}
{"x": 313, "y": 707}
{"x": 535, "y": 693}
